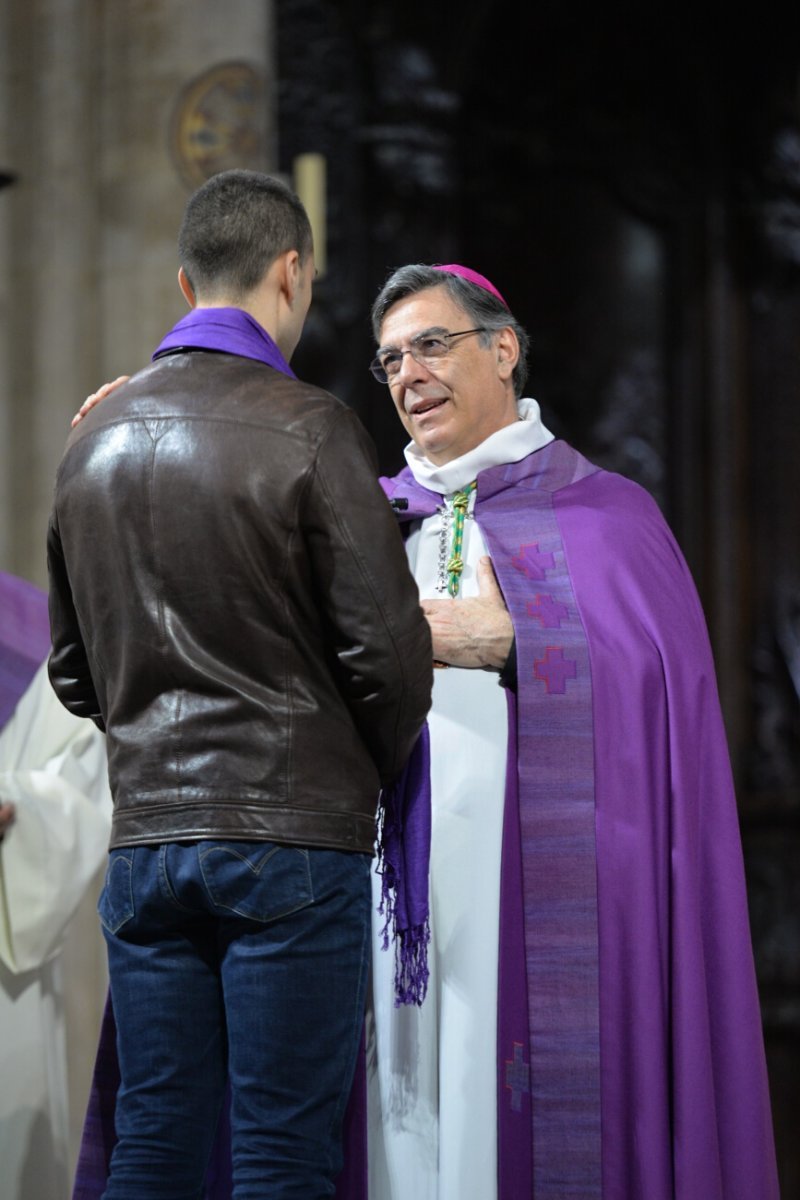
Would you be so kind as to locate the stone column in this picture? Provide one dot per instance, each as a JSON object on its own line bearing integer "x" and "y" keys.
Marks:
{"x": 89, "y": 100}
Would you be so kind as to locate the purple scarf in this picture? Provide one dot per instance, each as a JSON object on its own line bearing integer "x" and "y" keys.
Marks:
{"x": 404, "y": 832}
{"x": 229, "y": 330}
{"x": 404, "y": 846}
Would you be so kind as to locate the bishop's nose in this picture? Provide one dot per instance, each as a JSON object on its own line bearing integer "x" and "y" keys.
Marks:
{"x": 411, "y": 371}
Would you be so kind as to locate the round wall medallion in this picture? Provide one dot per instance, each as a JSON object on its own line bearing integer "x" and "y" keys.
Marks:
{"x": 219, "y": 122}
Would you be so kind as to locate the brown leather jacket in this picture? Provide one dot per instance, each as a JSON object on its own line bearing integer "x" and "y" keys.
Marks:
{"x": 230, "y": 600}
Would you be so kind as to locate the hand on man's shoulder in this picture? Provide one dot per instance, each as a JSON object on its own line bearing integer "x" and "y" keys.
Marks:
{"x": 96, "y": 397}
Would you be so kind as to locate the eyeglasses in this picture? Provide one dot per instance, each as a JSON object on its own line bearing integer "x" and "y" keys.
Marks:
{"x": 426, "y": 348}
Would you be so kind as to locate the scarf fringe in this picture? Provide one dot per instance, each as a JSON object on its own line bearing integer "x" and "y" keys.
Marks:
{"x": 411, "y": 972}
{"x": 411, "y": 965}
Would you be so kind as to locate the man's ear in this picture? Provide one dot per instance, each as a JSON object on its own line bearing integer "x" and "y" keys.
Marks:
{"x": 289, "y": 275}
{"x": 507, "y": 352}
{"x": 186, "y": 288}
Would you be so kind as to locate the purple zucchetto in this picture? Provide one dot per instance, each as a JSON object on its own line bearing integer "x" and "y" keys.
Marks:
{"x": 471, "y": 276}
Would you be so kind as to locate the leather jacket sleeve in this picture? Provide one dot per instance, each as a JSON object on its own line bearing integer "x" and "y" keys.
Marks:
{"x": 68, "y": 665}
{"x": 383, "y": 659}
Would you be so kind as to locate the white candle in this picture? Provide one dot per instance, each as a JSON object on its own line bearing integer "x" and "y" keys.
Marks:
{"x": 310, "y": 183}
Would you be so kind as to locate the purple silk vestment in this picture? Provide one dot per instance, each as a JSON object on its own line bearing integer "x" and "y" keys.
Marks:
{"x": 630, "y": 1053}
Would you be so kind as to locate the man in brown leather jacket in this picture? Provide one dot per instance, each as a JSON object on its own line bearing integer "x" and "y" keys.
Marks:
{"x": 230, "y": 601}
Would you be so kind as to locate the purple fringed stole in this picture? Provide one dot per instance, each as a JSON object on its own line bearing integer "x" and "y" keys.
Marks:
{"x": 404, "y": 843}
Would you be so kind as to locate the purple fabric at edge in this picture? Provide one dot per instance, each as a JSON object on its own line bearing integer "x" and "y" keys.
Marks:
{"x": 24, "y": 638}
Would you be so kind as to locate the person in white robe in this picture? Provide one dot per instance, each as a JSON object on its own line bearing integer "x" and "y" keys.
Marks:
{"x": 55, "y": 819}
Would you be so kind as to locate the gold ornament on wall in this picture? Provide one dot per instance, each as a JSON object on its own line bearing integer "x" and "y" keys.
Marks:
{"x": 220, "y": 122}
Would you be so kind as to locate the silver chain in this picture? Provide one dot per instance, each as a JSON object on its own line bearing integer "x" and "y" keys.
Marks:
{"x": 446, "y": 510}
{"x": 443, "y": 557}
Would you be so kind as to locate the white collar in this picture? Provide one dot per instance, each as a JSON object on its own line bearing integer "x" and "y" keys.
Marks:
{"x": 508, "y": 445}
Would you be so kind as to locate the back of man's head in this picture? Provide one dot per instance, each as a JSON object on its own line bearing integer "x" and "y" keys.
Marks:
{"x": 234, "y": 228}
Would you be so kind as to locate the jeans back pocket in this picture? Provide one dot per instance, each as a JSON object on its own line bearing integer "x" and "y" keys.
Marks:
{"x": 258, "y": 880}
{"x": 115, "y": 905}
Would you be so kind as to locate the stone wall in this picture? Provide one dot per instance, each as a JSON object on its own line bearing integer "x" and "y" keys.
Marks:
{"x": 110, "y": 112}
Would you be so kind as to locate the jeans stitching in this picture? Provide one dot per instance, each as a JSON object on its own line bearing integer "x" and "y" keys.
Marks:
{"x": 130, "y": 911}
{"x": 273, "y": 916}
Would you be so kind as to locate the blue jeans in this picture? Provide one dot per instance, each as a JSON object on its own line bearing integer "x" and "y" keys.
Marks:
{"x": 245, "y": 960}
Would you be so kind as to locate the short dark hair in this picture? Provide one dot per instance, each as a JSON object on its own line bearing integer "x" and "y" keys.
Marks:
{"x": 482, "y": 307}
{"x": 235, "y": 226}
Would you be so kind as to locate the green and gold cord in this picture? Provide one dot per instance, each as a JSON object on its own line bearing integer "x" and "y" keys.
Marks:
{"x": 455, "y": 564}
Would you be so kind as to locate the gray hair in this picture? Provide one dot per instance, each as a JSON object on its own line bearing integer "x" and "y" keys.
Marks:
{"x": 483, "y": 308}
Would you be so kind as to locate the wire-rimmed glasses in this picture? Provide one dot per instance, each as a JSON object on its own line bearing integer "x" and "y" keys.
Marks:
{"x": 426, "y": 348}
